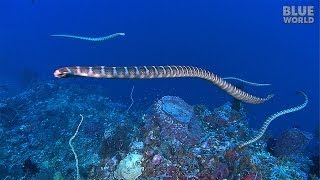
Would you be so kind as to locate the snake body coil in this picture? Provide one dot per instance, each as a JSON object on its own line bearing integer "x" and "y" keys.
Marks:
{"x": 149, "y": 72}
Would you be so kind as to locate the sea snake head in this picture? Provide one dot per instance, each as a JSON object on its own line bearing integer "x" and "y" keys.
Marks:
{"x": 62, "y": 73}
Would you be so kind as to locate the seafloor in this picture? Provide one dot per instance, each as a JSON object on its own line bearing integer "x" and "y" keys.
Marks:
{"x": 166, "y": 139}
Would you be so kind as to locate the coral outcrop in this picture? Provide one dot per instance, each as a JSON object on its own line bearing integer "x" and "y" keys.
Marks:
{"x": 129, "y": 168}
{"x": 175, "y": 119}
{"x": 290, "y": 142}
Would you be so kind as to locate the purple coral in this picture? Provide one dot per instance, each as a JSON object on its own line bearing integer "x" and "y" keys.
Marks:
{"x": 221, "y": 171}
{"x": 156, "y": 160}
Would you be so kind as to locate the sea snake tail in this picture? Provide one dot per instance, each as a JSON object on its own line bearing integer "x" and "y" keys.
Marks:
{"x": 246, "y": 82}
{"x": 89, "y": 38}
{"x": 274, "y": 116}
{"x": 150, "y": 72}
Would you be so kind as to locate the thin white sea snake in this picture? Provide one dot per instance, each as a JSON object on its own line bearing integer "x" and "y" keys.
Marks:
{"x": 72, "y": 148}
{"x": 246, "y": 82}
{"x": 274, "y": 116}
{"x": 89, "y": 38}
{"x": 150, "y": 72}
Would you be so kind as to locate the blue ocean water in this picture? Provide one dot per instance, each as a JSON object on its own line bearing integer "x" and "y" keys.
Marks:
{"x": 244, "y": 39}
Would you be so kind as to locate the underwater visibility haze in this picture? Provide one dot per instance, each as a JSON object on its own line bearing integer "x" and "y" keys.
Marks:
{"x": 131, "y": 90}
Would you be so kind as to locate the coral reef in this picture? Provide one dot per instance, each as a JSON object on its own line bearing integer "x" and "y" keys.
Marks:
{"x": 171, "y": 140}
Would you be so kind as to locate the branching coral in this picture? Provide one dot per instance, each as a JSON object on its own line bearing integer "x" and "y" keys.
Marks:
{"x": 287, "y": 170}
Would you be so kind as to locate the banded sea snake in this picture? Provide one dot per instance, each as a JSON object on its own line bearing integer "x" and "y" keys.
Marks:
{"x": 274, "y": 116}
{"x": 89, "y": 38}
{"x": 150, "y": 72}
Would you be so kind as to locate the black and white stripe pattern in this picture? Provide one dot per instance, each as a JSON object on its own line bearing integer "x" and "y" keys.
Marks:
{"x": 149, "y": 72}
{"x": 274, "y": 116}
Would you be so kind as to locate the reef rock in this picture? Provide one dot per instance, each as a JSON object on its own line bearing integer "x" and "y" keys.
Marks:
{"x": 176, "y": 120}
{"x": 129, "y": 168}
{"x": 291, "y": 141}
